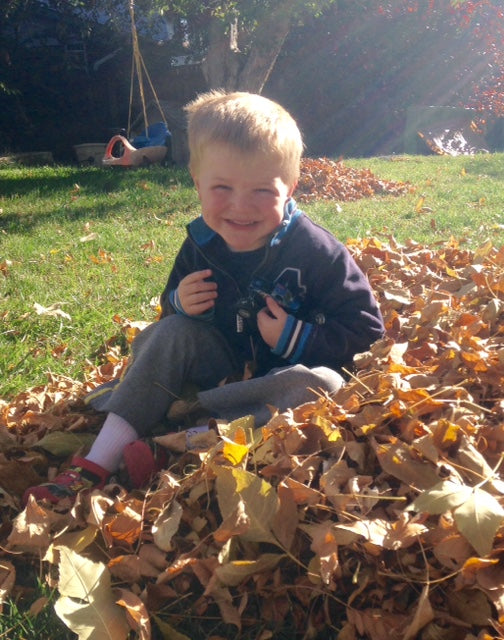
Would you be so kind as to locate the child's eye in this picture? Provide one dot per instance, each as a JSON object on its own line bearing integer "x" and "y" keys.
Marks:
{"x": 221, "y": 187}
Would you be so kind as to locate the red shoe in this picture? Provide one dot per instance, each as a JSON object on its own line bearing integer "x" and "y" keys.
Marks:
{"x": 82, "y": 475}
{"x": 142, "y": 463}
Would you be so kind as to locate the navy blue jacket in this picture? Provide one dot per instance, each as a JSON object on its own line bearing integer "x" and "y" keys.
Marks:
{"x": 332, "y": 311}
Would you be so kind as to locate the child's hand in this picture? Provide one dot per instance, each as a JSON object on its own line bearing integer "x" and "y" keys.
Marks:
{"x": 195, "y": 294}
{"x": 271, "y": 321}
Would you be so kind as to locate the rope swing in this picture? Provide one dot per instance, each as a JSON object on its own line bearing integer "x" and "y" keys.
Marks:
{"x": 148, "y": 146}
{"x": 139, "y": 69}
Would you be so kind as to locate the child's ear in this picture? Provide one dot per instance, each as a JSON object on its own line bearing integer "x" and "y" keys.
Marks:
{"x": 293, "y": 188}
{"x": 195, "y": 180}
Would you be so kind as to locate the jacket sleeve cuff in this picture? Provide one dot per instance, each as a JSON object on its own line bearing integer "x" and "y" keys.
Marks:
{"x": 293, "y": 339}
{"x": 175, "y": 303}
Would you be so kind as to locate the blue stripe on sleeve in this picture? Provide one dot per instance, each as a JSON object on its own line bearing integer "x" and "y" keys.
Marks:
{"x": 284, "y": 339}
{"x": 305, "y": 334}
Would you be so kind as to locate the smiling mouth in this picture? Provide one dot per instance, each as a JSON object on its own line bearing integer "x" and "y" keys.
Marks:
{"x": 240, "y": 223}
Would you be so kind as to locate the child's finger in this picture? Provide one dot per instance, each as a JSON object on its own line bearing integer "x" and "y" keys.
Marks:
{"x": 275, "y": 309}
{"x": 196, "y": 276}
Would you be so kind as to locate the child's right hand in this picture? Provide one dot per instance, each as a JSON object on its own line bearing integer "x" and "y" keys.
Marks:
{"x": 195, "y": 294}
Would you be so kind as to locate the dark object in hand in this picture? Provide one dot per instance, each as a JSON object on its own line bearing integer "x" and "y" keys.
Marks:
{"x": 249, "y": 306}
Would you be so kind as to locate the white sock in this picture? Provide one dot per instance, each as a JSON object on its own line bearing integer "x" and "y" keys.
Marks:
{"x": 108, "y": 447}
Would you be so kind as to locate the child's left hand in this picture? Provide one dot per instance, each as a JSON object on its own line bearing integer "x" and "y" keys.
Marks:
{"x": 271, "y": 321}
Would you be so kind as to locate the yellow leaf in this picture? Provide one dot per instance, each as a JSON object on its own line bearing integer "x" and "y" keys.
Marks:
{"x": 239, "y": 430}
{"x": 401, "y": 461}
{"x": 451, "y": 433}
{"x": 76, "y": 540}
{"x": 442, "y": 497}
{"x": 324, "y": 423}
{"x": 87, "y": 604}
{"x": 483, "y": 250}
{"x": 233, "y": 573}
{"x": 335, "y": 435}
{"x": 64, "y": 443}
{"x": 131, "y": 333}
{"x": 166, "y": 525}
{"x": 478, "y": 519}
{"x": 451, "y": 272}
{"x": 233, "y": 451}
{"x": 260, "y": 501}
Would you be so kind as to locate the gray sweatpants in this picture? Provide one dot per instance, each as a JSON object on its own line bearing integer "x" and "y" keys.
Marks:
{"x": 177, "y": 350}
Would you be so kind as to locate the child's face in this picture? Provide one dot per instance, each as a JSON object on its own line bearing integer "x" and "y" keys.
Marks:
{"x": 242, "y": 195}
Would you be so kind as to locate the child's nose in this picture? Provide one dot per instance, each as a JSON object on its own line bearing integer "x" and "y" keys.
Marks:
{"x": 241, "y": 201}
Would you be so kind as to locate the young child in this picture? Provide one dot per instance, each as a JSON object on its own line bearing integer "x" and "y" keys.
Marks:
{"x": 256, "y": 284}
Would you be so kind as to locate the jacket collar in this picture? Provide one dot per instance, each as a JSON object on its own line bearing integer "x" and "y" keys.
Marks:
{"x": 201, "y": 233}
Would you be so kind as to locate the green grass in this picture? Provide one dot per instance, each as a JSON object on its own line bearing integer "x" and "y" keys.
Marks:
{"x": 100, "y": 242}
{"x": 18, "y": 622}
{"x": 463, "y": 198}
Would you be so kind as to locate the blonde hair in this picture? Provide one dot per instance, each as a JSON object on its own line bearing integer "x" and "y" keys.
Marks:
{"x": 248, "y": 122}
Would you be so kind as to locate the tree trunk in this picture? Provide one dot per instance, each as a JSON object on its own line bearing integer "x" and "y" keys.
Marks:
{"x": 269, "y": 38}
{"x": 221, "y": 65}
{"x": 226, "y": 67}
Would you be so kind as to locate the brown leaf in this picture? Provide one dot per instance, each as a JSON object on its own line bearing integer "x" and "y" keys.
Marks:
{"x": 7, "y": 580}
{"x": 136, "y": 613}
{"x": 423, "y": 615}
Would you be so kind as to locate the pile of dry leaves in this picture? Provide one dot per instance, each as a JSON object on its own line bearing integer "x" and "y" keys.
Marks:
{"x": 374, "y": 514}
{"x": 326, "y": 179}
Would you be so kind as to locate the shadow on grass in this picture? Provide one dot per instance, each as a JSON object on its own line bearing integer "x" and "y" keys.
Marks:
{"x": 96, "y": 180}
{"x": 32, "y": 196}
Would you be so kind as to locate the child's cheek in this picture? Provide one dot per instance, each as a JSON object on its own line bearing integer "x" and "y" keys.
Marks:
{"x": 223, "y": 202}
{"x": 218, "y": 197}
